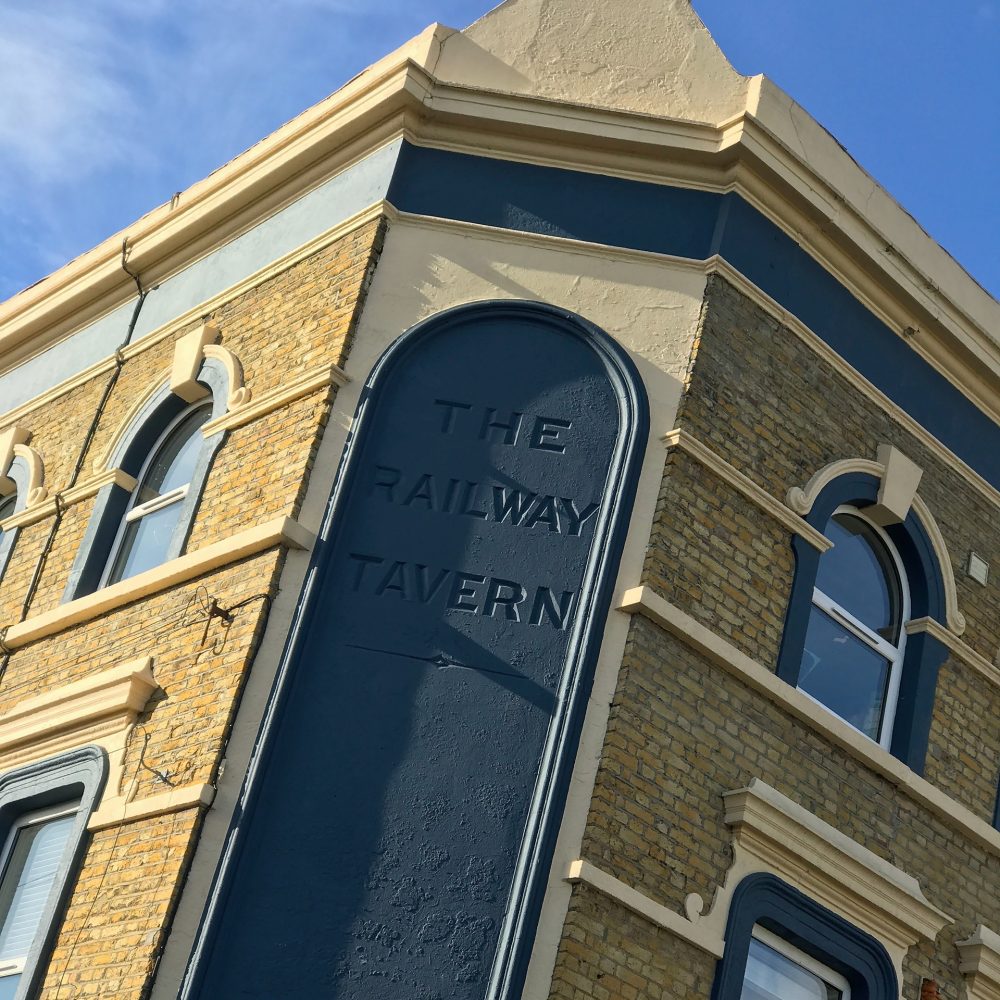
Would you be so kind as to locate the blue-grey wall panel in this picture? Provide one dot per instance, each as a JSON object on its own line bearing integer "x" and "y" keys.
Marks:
{"x": 310, "y": 216}
{"x": 696, "y": 224}
{"x": 407, "y": 793}
{"x": 334, "y": 201}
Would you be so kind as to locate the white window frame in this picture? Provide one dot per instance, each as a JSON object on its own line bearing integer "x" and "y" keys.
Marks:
{"x": 136, "y": 510}
{"x": 36, "y": 817}
{"x": 800, "y": 958}
{"x": 893, "y": 653}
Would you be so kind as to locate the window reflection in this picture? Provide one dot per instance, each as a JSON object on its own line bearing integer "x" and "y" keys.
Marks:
{"x": 854, "y": 640}
{"x": 772, "y": 976}
{"x": 149, "y": 525}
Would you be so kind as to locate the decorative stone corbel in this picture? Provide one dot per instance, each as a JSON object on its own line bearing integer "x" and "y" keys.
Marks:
{"x": 14, "y": 448}
{"x": 979, "y": 963}
{"x": 900, "y": 479}
{"x": 191, "y": 352}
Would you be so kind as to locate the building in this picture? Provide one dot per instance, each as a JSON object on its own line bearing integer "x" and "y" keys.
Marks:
{"x": 624, "y": 630}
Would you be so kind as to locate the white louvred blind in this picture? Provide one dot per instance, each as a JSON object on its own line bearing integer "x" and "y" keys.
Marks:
{"x": 31, "y": 868}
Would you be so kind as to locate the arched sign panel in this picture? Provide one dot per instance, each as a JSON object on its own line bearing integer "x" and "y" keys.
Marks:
{"x": 408, "y": 784}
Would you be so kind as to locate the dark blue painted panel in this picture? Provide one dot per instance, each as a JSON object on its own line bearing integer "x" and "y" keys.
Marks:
{"x": 391, "y": 847}
{"x": 697, "y": 224}
{"x": 554, "y": 202}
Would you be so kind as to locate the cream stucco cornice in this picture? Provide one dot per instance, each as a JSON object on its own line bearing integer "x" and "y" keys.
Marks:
{"x": 883, "y": 262}
{"x": 773, "y": 834}
{"x": 954, "y": 332}
{"x": 319, "y": 143}
{"x": 980, "y": 964}
{"x": 111, "y": 698}
{"x": 100, "y": 709}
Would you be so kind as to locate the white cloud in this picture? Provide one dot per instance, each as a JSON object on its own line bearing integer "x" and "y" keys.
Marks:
{"x": 63, "y": 102}
{"x": 107, "y": 107}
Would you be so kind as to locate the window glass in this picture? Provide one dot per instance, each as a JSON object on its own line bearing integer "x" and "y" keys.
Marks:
{"x": 146, "y": 542}
{"x": 859, "y": 574}
{"x": 844, "y": 673}
{"x": 853, "y": 654}
{"x": 30, "y": 868}
{"x": 149, "y": 526}
{"x": 773, "y": 976}
{"x": 173, "y": 465}
{"x": 7, "y": 505}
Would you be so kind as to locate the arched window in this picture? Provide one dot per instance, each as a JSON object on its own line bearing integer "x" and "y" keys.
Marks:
{"x": 21, "y": 484}
{"x": 855, "y": 641}
{"x": 8, "y": 506}
{"x": 853, "y": 638}
{"x": 154, "y": 512}
{"x": 156, "y": 469}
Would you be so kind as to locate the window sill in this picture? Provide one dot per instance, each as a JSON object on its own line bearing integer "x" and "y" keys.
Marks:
{"x": 280, "y": 531}
{"x": 649, "y": 604}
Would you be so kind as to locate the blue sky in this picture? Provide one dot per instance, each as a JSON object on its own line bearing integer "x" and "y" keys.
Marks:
{"x": 111, "y": 106}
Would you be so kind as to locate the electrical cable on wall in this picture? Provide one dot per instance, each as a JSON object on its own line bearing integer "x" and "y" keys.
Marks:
{"x": 43, "y": 556}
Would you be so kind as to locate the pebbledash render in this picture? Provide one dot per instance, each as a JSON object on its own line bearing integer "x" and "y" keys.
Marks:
{"x": 528, "y": 528}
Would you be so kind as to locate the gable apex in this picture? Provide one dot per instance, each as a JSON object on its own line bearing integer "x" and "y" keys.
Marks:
{"x": 648, "y": 56}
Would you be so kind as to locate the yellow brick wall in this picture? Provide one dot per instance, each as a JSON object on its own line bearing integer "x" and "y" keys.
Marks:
{"x": 682, "y": 731}
{"x": 290, "y": 323}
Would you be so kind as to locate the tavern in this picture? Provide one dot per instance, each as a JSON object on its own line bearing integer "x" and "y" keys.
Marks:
{"x": 515, "y": 533}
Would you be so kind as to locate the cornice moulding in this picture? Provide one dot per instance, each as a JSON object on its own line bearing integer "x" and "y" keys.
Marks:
{"x": 772, "y": 829}
{"x": 181, "y": 322}
{"x": 979, "y": 963}
{"x": 100, "y": 709}
{"x": 112, "y": 696}
{"x": 399, "y": 95}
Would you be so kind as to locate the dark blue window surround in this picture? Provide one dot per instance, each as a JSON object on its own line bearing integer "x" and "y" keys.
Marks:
{"x": 924, "y": 654}
{"x": 767, "y": 901}
{"x": 75, "y": 778}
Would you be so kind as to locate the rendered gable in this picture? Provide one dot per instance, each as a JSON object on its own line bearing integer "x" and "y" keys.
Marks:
{"x": 649, "y": 56}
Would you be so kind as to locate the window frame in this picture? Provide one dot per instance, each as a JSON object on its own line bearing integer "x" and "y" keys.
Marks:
{"x": 77, "y": 777}
{"x": 35, "y": 817}
{"x": 19, "y": 474}
{"x": 895, "y": 654}
{"x": 763, "y": 900}
{"x": 924, "y": 654}
{"x": 136, "y": 511}
{"x": 800, "y": 958}
{"x": 8, "y": 501}
{"x": 134, "y": 444}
